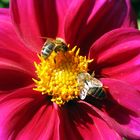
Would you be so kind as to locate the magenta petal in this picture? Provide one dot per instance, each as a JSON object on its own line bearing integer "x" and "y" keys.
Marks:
{"x": 16, "y": 61}
{"x": 13, "y": 78}
{"x": 79, "y": 121}
{"x": 12, "y": 49}
{"x": 124, "y": 94}
{"x": 117, "y": 55}
{"x": 88, "y": 20}
{"x": 129, "y": 121}
{"x": 35, "y": 19}
{"x": 44, "y": 125}
{"x": 4, "y": 14}
{"x": 25, "y": 114}
{"x": 131, "y": 130}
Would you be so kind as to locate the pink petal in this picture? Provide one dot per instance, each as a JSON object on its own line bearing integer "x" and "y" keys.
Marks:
{"x": 12, "y": 49}
{"x": 124, "y": 94}
{"x": 117, "y": 55}
{"x": 4, "y": 14}
{"x": 25, "y": 114}
{"x": 44, "y": 125}
{"x": 129, "y": 128}
{"x": 12, "y": 78}
{"x": 129, "y": 121}
{"x": 35, "y": 19}
{"x": 87, "y": 20}
{"x": 79, "y": 121}
{"x": 16, "y": 61}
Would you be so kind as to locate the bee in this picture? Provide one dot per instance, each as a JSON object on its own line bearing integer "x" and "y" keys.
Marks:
{"x": 51, "y": 45}
{"x": 90, "y": 86}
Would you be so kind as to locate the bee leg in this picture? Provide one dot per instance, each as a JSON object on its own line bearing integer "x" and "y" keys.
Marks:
{"x": 105, "y": 88}
{"x": 54, "y": 60}
{"x": 93, "y": 74}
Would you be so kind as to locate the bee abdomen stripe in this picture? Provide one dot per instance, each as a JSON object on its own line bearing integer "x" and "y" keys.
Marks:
{"x": 50, "y": 46}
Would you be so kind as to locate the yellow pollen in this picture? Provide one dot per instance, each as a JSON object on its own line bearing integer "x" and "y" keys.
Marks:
{"x": 57, "y": 75}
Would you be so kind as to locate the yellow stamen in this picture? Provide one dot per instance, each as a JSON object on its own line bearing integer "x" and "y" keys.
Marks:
{"x": 57, "y": 75}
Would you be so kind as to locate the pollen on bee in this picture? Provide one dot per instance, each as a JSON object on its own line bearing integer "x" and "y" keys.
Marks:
{"x": 57, "y": 75}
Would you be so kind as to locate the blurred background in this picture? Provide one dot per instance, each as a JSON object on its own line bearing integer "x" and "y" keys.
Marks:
{"x": 4, "y": 3}
{"x": 135, "y": 5}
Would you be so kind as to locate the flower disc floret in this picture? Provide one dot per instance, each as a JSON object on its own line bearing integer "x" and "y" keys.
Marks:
{"x": 57, "y": 75}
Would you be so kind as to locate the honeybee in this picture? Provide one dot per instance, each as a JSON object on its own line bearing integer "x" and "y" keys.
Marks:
{"x": 51, "y": 45}
{"x": 90, "y": 86}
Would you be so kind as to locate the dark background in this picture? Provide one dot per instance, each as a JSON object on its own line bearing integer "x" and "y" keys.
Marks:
{"x": 135, "y": 5}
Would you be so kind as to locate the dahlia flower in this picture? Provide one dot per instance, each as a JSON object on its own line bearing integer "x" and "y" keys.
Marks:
{"x": 28, "y": 107}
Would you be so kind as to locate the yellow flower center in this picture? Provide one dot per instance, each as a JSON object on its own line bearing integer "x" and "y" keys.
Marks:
{"x": 58, "y": 75}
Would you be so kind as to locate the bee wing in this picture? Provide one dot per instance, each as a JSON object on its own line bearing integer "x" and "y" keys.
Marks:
{"x": 94, "y": 83}
{"x": 48, "y": 40}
